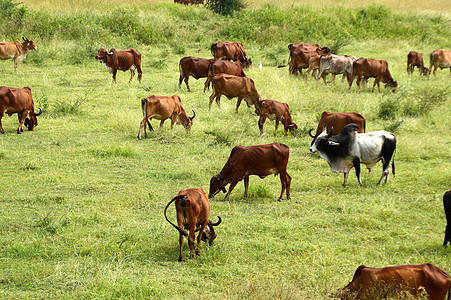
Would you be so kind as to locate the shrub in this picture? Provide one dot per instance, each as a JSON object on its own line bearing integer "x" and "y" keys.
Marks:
{"x": 225, "y": 7}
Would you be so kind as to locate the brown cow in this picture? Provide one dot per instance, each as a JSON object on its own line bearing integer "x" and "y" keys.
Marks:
{"x": 278, "y": 111}
{"x": 305, "y": 46}
{"x": 224, "y": 67}
{"x": 338, "y": 121}
{"x": 124, "y": 60}
{"x": 16, "y": 50}
{"x": 380, "y": 283}
{"x": 447, "y": 207}
{"x": 260, "y": 160}
{"x": 162, "y": 108}
{"x": 195, "y": 67}
{"x": 368, "y": 67}
{"x": 20, "y": 101}
{"x": 300, "y": 59}
{"x": 415, "y": 59}
{"x": 440, "y": 59}
{"x": 193, "y": 208}
{"x": 234, "y": 86}
{"x": 231, "y": 51}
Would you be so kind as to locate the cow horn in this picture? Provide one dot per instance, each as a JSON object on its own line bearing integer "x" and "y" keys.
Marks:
{"x": 217, "y": 223}
{"x": 109, "y": 53}
{"x": 39, "y": 113}
{"x": 330, "y": 133}
{"x": 27, "y": 39}
{"x": 23, "y": 38}
{"x": 194, "y": 114}
{"x": 310, "y": 133}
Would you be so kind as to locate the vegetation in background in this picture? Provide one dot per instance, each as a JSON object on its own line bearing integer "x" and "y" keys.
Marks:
{"x": 225, "y": 7}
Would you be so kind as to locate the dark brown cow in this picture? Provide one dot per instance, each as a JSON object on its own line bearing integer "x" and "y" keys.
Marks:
{"x": 338, "y": 121}
{"x": 124, "y": 60}
{"x": 261, "y": 160}
{"x": 300, "y": 59}
{"x": 234, "y": 86}
{"x": 231, "y": 51}
{"x": 368, "y": 67}
{"x": 447, "y": 207}
{"x": 18, "y": 101}
{"x": 195, "y": 67}
{"x": 16, "y": 50}
{"x": 278, "y": 111}
{"x": 440, "y": 59}
{"x": 224, "y": 67}
{"x": 415, "y": 59}
{"x": 193, "y": 208}
{"x": 381, "y": 283}
{"x": 163, "y": 108}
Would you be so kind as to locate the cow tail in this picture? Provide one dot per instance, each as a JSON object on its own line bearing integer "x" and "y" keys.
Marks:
{"x": 182, "y": 232}
{"x": 289, "y": 59}
{"x": 449, "y": 292}
{"x": 143, "y": 107}
{"x": 213, "y": 49}
{"x": 180, "y": 71}
{"x": 393, "y": 163}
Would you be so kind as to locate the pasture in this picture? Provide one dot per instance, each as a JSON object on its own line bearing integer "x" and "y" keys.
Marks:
{"x": 82, "y": 198}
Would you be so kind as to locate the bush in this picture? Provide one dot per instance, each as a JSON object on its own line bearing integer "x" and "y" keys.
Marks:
{"x": 225, "y": 7}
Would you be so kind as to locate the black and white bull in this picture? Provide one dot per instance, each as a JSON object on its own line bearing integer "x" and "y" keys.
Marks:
{"x": 350, "y": 149}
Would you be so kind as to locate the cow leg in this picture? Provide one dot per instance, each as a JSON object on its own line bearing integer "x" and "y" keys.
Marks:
{"x": 114, "y": 75}
{"x": 261, "y": 121}
{"x": 232, "y": 186}
{"x": 212, "y": 96}
{"x": 140, "y": 73}
{"x": 191, "y": 238}
{"x": 1, "y": 116}
{"x": 186, "y": 83}
{"x": 132, "y": 72}
{"x": 141, "y": 125}
{"x": 359, "y": 78}
{"x": 238, "y": 104}
{"x": 181, "y": 247}
{"x": 343, "y": 78}
{"x": 356, "y": 163}
{"x": 199, "y": 236}
{"x": 447, "y": 233}
{"x": 285, "y": 179}
{"x": 21, "y": 120}
{"x": 345, "y": 179}
{"x": 246, "y": 185}
{"x": 277, "y": 127}
{"x": 161, "y": 125}
{"x": 351, "y": 77}
{"x": 207, "y": 84}
{"x": 376, "y": 81}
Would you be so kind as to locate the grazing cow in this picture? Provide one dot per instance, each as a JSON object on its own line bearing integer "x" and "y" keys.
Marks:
{"x": 231, "y": 51}
{"x": 350, "y": 149}
{"x": 384, "y": 283}
{"x": 16, "y": 50}
{"x": 440, "y": 59}
{"x": 336, "y": 64}
{"x": 193, "y": 208}
{"x": 447, "y": 207}
{"x": 368, "y": 67}
{"x": 415, "y": 59}
{"x": 278, "y": 111}
{"x": 162, "y": 108}
{"x": 338, "y": 121}
{"x": 224, "y": 67}
{"x": 234, "y": 86}
{"x": 124, "y": 60}
{"x": 195, "y": 67}
{"x": 18, "y": 101}
{"x": 260, "y": 160}
{"x": 300, "y": 59}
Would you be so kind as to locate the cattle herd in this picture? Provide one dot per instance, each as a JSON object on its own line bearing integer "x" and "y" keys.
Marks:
{"x": 340, "y": 139}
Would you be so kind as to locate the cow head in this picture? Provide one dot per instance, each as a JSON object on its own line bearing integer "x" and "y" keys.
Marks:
{"x": 102, "y": 54}
{"x": 247, "y": 62}
{"x": 425, "y": 71}
{"x": 30, "y": 45}
{"x": 209, "y": 232}
{"x": 216, "y": 185}
{"x": 293, "y": 127}
{"x": 393, "y": 83}
{"x": 322, "y": 140}
{"x": 31, "y": 121}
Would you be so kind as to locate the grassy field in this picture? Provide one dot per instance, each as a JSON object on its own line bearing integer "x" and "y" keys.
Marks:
{"x": 83, "y": 199}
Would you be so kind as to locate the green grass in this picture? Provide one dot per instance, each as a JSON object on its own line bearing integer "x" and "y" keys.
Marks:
{"x": 82, "y": 198}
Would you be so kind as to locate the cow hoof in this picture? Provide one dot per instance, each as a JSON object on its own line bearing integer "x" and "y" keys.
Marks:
{"x": 18, "y": 132}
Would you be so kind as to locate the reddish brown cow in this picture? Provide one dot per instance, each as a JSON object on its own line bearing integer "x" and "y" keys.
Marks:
{"x": 440, "y": 59}
{"x": 124, "y": 60}
{"x": 231, "y": 51}
{"x": 278, "y": 111}
{"x": 381, "y": 283}
{"x": 193, "y": 208}
{"x": 415, "y": 59}
{"x": 16, "y": 50}
{"x": 234, "y": 86}
{"x": 163, "y": 108}
{"x": 305, "y": 46}
{"x": 368, "y": 67}
{"x": 338, "y": 121}
{"x": 260, "y": 160}
{"x": 224, "y": 67}
{"x": 195, "y": 67}
{"x": 300, "y": 59}
{"x": 20, "y": 102}
{"x": 447, "y": 207}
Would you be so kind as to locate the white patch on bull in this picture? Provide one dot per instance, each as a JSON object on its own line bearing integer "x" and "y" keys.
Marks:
{"x": 108, "y": 68}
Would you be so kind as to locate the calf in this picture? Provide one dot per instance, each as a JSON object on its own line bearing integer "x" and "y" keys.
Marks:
{"x": 234, "y": 86}
{"x": 163, "y": 108}
{"x": 231, "y": 51}
{"x": 224, "y": 67}
{"x": 415, "y": 59}
{"x": 447, "y": 207}
{"x": 278, "y": 111}
{"x": 300, "y": 59}
{"x": 440, "y": 59}
{"x": 193, "y": 209}
{"x": 260, "y": 160}
{"x": 195, "y": 67}
{"x": 382, "y": 283}
{"x": 338, "y": 121}
{"x": 16, "y": 50}
{"x": 124, "y": 60}
{"x": 349, "y": 149}
{"x": 368, "y": 67}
